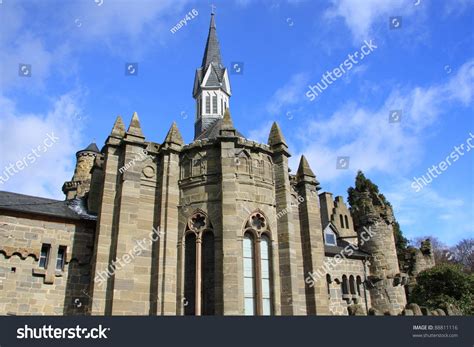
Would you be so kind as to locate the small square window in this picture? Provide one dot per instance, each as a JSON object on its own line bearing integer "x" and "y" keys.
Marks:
{"x": 44, "y": 256}
{"x": 60, "y": 259}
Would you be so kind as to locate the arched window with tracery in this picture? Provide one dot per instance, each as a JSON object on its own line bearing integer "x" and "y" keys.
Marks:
{"x": 257, "y": 260}
{"x": 199, "y": 266}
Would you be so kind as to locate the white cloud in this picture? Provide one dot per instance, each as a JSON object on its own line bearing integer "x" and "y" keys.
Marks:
{"x": 361, "y": 16}
{"x": 261, "y": 133}
{"x": 370, "y": 140}
{"x": 290, "y": 94}
{"x": 450, "y": 219}
{"x": 20, "y": 133}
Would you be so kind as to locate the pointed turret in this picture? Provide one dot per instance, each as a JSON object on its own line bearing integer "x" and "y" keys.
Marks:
{"x": 227, "y": 126}
{"x": 174, "y": 136}
{"x": 276, "y": 136}
{"x": 304, "y": 169}
{"x": 134, "y": 128}
{"x": 118, "y": 128}
{"x": 305, "y": 174}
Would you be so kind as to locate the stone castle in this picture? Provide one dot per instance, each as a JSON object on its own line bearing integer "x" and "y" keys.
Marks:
{"x": 219, "y": 226}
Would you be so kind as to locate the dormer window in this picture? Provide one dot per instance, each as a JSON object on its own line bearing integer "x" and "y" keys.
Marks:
{"x": 330, "y": 237}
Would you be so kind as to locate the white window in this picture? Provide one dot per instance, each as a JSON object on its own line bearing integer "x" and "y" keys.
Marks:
{"x": 61, "y": 258}
{"x": 208, "y": 104}
{"x": 249, "y": 276}
{"x": 44, "y": 256}
{"x": 214, "y": 104}
{"x": 330, "y": 237}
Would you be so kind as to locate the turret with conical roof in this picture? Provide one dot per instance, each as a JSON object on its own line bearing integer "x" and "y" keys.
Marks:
{"x": 211, "y": 85}
{"x": 80, "y": 182}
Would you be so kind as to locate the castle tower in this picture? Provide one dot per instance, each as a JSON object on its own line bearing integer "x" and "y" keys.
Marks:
{"x": 81, "y": 180}
{"x": 373, "y": 221}
{"x": 211, "y": 84}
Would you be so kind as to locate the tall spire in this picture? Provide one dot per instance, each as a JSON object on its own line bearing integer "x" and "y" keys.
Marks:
{"x": 211, "y": 85}
{"x": 212, "y": 53}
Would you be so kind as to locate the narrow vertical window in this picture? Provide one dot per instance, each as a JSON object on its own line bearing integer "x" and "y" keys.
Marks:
{"x": 208, "y": 104}
{"x": 359, "y": 283}
{"x": 352, "y": 284}
{"x": 222, "y": 106}
{"x": 214, "y": 104}
{"x": 328, "y": 284}
{"x": 344, "y": 285}
{"x": 44, "y": 256}
{"x": 61, "y": 258}
{"x": 189, "y": 274}
{"x": 265, "y": 271}
{"x": 347, "y": 221}
{"x": 207, "y": 292}
{"x": 249, "y": 276}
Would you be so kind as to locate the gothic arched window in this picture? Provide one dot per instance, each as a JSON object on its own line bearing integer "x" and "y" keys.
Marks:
{"x": 199, "y": 277}
{"x": 249, "y": 275}
{"x": 257, "y": 258}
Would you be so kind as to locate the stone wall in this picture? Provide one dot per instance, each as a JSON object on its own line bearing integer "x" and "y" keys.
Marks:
{"x": 339, "y": 302}
{"x": 27, "y": 289}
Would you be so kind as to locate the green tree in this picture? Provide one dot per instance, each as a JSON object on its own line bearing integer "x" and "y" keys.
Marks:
{"x": 442, "y": 284}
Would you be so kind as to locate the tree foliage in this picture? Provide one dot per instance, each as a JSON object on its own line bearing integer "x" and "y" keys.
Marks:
{"x": 442, "y": 284}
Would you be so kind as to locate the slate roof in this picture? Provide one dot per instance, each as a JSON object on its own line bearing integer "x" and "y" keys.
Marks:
{"x": 69, "y": 209}
{"x": 339, "y": 249}
{"x": 92, "y": 148}
{"x": 214, "y": 131}
{"x": 212, "y": 52}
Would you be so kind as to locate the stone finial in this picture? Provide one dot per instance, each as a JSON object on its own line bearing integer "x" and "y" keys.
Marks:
{"x": 227, "y": 123}
{"x": 118, "y": 128}
{"x": 276, "y": 137}
{"x": 134, "y": 128}
{"x": 174, "y": 136}
{"x": 304, "y": 169}
{"x": 227, "y": 126}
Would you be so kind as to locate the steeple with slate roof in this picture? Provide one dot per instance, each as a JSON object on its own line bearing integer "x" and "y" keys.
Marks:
{"x": 211, "y": 85}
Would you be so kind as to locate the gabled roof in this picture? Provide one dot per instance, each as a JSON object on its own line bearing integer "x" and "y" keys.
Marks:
{"x": 330, "y": 250}
{"x": 213, "y": 131}
{"x": 68, "y": 209}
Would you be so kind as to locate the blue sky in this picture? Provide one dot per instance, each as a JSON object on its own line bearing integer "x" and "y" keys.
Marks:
{"x": 425, "y": 68}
